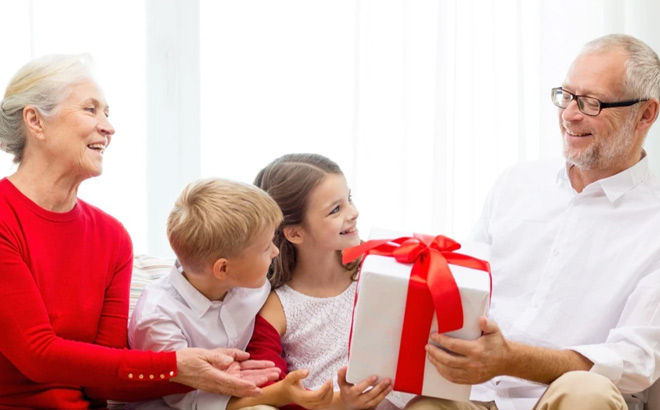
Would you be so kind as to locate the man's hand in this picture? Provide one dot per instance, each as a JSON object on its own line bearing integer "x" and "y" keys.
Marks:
{"x": 471, "y": 361}
{"x": 477, "y": 361}
{"x": 223, "y": 371}
{"x": 354, "y": 396}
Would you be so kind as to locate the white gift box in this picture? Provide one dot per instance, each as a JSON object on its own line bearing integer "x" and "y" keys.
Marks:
{"x": 378, "y": 319}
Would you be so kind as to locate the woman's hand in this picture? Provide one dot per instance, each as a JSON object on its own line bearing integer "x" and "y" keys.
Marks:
{"x": 309, "y": 399}
{"x": 356, "y": 396}
{"x": 223, "y": 371}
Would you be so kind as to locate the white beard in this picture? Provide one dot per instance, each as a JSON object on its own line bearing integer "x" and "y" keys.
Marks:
{"x": 607, "y": 151}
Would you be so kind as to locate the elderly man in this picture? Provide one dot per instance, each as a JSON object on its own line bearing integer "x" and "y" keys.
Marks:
{"x": 575, "y": 254}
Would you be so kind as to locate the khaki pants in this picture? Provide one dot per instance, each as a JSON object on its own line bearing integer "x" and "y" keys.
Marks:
{"x": 574, "y": 390}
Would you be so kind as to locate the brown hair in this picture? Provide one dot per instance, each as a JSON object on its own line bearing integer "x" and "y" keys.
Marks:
{"x": 215, "y": 218}
{"x": 288, "y": 180}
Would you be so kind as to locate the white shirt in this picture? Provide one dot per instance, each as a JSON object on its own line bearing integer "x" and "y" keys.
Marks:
{"x": 575, "y": 270}
{"x": 171, "y": 315}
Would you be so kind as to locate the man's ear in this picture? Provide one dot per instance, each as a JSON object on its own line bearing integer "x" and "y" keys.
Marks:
{"x": 221, "y": 268}
{"x": 649, "y": 114}
{"x": 33, "y": 121}
{"x": 293, "y": 234}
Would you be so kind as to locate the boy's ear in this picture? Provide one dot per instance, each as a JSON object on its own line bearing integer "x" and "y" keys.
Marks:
{"x": 293, "y": 234}
{"x": 33, "y": 121}
{"x": 220, "y": 269}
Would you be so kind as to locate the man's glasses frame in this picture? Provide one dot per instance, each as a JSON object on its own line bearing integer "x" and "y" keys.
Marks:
{"x": 587, "y": 105}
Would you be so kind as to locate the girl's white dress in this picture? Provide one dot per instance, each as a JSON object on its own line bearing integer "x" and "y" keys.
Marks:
{"x": 316, "y": 337}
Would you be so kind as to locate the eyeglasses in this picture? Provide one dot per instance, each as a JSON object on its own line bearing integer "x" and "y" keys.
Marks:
{"x": 587, "y": 105}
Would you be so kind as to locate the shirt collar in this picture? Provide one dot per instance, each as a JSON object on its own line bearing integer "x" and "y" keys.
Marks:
{"x": 617, "y": 185}
{"x": 197, "y": 302}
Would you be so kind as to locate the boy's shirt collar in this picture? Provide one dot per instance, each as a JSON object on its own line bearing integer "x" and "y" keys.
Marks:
{"x": 197, "y": 302}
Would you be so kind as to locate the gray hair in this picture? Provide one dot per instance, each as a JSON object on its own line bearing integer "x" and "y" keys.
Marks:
{"x": 43, "y": 83}
{"x": 642, "y": 66}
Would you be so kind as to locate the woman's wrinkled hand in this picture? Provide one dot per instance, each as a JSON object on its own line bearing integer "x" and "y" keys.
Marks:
{"x": 223, "y": 371}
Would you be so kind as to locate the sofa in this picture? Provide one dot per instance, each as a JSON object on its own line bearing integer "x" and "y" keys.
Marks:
{"x": 148, "y": 268}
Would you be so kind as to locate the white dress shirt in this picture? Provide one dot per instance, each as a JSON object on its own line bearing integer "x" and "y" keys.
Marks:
{"x": 576, "y": 271}
{"x": 171, "y": 315}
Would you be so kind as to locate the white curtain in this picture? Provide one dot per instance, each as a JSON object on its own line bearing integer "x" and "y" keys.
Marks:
{"x": 114, "y": 34}
{"x": 422, "y": 103}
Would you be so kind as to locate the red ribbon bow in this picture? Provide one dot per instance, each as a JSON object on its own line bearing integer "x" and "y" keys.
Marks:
{"x": 431, "y": 288}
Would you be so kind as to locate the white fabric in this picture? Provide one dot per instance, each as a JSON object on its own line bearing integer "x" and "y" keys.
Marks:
{"x": 316, "y": 337}
{"x": 578, "y": 271}
{"x": 171, "y": 314}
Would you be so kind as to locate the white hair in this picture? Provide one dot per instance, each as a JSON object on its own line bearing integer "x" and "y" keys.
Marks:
{"x": 642, "y": 65}
{"x": 43, "y": 83}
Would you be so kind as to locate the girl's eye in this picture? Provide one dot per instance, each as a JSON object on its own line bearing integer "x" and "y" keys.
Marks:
{"x": 350, "y": 198}
{"x": 335, "y": 210}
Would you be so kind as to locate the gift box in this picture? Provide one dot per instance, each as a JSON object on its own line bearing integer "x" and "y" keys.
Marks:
{"x": 408, "y": 288}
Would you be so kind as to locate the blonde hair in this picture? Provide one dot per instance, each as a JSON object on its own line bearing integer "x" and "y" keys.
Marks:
{"x": 43, "y": 83}
{"x": 217, "y": 218}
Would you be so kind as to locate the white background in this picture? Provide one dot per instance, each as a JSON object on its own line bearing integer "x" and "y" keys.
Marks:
{"x": 422, "y": 103}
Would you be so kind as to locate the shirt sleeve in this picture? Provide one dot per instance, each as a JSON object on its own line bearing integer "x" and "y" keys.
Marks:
{"x": 480, "y": 231}
{"x": 199, "y": 400}
{"x": 630, "y": 357}
{"x": 149, "y": 330}
{"x": 114, "y": 314}
{"x": 266, "y": 344}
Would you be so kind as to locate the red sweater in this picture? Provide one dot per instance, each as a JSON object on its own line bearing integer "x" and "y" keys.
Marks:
{"x": 266, "y": 344}
{"x": 64, "y": 289}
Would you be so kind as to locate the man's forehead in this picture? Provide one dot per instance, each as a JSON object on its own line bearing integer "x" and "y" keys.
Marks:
{"x": 597, "y": 73}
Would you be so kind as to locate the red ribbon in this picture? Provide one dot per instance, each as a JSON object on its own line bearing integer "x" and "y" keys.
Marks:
{"x": 431, "y": 288}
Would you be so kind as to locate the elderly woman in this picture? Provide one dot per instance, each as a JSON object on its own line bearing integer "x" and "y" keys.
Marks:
{"x": 65, "y": 266}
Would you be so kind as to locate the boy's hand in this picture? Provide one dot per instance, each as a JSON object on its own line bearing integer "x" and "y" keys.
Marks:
{"x": 354, "y": 396}
{"x": 310, "y": 399}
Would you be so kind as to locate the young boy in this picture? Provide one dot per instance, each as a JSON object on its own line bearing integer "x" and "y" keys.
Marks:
{"x": 221, "y": 232}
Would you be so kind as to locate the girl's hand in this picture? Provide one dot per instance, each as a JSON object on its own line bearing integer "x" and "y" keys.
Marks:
{"x": 354, "y": 396}
{"x": 310, "y": 399}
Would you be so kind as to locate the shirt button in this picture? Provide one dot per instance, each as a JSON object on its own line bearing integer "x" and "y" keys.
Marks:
{"x": 151, "y": 376}
{"x": 141, "y": 376}
{"x": 162, "y": 376}
{"x": 171, "y": 374}
{"x": 130, "y": 375}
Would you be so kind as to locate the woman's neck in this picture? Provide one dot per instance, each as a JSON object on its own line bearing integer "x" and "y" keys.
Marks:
{"x": 50, "y": 190}
{"x": 319, "y": 274}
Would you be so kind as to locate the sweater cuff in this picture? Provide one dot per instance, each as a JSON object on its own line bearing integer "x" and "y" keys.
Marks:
{"x": 147, "y": 366}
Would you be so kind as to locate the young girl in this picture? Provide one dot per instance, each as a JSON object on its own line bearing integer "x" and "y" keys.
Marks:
{"x": 305, "y": 322}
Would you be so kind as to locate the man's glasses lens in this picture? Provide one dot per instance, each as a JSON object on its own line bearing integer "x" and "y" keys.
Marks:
{"x": 587, "y": 105}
